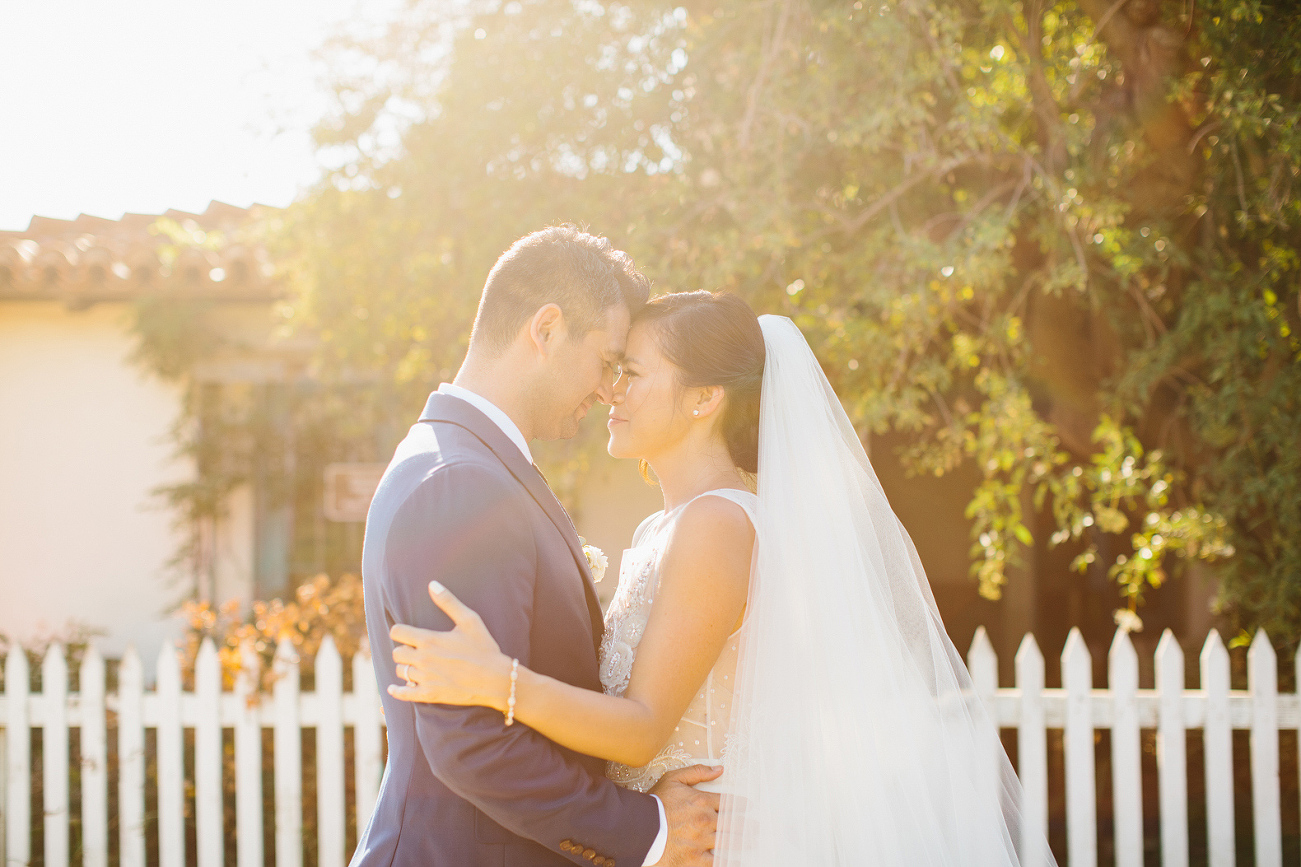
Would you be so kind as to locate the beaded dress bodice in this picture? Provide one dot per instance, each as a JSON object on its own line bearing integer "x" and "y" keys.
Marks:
{"x": 702, "y": 734}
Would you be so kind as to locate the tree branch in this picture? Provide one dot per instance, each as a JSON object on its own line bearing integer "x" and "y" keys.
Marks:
{"x": 756, "y": 87}
{"x": 865, "y": 216}
{"x": 1045, "y": 104}
{"x": 1119, "y": 34}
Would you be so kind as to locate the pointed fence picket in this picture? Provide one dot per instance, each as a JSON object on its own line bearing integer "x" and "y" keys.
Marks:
{"x": 248, "y": 762}
{"x": 94, "y": 761}
{"x": 131, "y": 760}
{"x": 171, "y": 759}
{"x": 1081, "y": 798}
{"x": 368, "y": 756}
{"x": 1126, "y": 752}
{"x": 1032, "y": 752}
{"x": 982, "y": 663}
{"x": 207, "y": 757}
{"x": 329, "y": 756}
{"x": 54, "y": 672}
{"x": 18, "y": 759}
{"x": 1217, "y": 741}
{"x": 1262, "y": 677}
{"x": 288, "y": 758}
{"x": 1171, "y": 752}
{"x": 1078, "y": 708}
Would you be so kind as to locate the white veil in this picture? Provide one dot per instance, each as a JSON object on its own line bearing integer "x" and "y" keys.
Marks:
{"x": 856, "y": 735}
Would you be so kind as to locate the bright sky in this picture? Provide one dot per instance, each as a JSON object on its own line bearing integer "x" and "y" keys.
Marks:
{"x": 109, "y": 106}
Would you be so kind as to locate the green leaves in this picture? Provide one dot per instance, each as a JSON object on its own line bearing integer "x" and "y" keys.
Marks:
{"x": 1036, "y": 244}
{"x": 986, "y": 247}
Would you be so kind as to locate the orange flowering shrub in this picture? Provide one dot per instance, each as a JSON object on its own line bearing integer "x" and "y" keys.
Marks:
{"x": 318, "y": 608}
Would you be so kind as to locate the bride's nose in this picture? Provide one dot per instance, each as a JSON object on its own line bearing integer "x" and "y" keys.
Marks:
{"x": 619, "y": 390}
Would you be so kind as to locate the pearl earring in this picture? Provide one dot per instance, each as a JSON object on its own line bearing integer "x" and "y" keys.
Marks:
{"x": 695, "y": 412}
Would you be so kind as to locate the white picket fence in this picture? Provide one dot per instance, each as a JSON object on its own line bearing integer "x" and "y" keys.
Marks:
{"x": 1077, "y": 708}
{"x": 169, "y": 710}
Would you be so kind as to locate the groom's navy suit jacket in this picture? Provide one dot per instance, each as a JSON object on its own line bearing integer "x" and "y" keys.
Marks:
{"x": 460, "y": 504}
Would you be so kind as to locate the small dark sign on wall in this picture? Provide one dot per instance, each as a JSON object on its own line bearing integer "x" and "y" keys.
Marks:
{"x": 348, "y": 490}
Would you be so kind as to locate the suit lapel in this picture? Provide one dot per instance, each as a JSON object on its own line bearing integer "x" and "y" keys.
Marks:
{"x": 447, "y": 408}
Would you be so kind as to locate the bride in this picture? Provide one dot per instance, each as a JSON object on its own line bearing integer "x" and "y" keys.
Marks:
{"x": 774, "y": 618}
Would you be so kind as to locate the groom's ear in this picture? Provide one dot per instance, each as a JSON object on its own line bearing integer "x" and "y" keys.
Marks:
{"x": 546, "y": 329}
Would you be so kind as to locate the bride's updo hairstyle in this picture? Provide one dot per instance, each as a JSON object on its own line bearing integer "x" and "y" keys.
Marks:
{"x": 715, "y": 339}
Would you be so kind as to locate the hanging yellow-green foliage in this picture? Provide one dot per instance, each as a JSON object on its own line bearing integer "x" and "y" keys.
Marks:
{"x": 1056, "y": 241}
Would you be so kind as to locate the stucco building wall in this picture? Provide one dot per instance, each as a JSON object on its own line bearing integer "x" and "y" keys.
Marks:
{"x": 84, "y": 442}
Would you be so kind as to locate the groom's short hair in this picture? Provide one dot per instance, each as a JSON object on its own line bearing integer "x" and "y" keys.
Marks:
{"x": 581, "y": 273}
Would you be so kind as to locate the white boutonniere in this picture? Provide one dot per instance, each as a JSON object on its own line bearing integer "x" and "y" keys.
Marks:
{"x": 596, "y": 559}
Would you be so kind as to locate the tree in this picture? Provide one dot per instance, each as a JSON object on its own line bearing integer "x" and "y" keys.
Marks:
{"x": 1056, "y": 240}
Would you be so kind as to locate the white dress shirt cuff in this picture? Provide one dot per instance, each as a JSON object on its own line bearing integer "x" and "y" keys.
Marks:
{"x": 661, "y": 839}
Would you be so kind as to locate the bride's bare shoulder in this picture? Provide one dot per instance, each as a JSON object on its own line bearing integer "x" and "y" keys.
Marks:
{"x": 712, "y": 538}
{"x": 716, "y": 512}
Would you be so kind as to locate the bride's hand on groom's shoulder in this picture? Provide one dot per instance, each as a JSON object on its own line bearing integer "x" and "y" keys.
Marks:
{"x": 463, "y": 666}
{"x": 692, "y": 816}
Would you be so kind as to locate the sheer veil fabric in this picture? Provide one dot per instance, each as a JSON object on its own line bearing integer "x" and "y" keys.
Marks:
{"x": 856, "y": 736}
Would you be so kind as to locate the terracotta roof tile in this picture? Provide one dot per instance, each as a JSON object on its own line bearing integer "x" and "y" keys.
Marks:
{"x": 93, "y": 259}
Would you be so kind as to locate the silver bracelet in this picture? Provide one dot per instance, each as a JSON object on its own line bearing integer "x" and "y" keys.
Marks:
{"x": 510, "y": 702}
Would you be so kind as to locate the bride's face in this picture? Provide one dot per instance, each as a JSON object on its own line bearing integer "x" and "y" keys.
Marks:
{"x": 648, "y": 413}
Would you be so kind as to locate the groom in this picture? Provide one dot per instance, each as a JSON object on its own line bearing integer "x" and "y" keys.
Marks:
{"x": 462, "y": 503}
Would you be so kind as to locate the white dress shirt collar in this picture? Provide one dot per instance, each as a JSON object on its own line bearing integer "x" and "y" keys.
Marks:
{"x": 488, "y": 408}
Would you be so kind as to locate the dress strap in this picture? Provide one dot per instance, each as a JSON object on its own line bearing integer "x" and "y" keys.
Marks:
{"x": 744, "y": 499}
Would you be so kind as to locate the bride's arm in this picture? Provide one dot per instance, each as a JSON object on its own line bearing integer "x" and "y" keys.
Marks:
{"x": 701, "y": 598}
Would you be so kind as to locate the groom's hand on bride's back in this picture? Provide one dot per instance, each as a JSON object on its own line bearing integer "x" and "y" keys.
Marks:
{"x": 692, "y": 816}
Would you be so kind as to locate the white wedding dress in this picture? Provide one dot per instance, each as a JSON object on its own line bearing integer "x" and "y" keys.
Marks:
{"x": 844, "y": 716}
{"x": 702, "y": 736}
